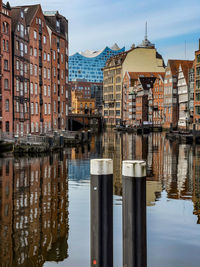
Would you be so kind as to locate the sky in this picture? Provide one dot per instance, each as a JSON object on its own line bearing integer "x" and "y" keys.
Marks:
{"x": 173, "y": 25}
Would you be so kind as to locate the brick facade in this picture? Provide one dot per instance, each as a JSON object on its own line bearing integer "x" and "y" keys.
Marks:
{"x": 6, "y": 108}
{"x": 21, "y": 75}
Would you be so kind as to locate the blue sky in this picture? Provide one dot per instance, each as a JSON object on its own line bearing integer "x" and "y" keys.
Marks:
{"x": 94, "y": 24}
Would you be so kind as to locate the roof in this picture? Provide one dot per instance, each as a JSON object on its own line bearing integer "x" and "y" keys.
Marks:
{"x": 186, "y": 66}
{"x": 15, "y": 15}
{"x": 29, "y": 12}
{"x": 136, "y": 75}
{"x": 51, "y": 18}
{"x": 121, "y": 56}
{"x": 91, "y": 54}
{"x": 175, "y": 63}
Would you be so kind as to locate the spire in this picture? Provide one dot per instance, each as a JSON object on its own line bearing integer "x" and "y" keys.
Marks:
{"x": 146, "y": 42}
{"x": 145, "y": 37}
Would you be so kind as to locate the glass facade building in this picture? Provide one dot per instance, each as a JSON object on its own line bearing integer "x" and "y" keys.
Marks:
{"x": 88, "y": 65}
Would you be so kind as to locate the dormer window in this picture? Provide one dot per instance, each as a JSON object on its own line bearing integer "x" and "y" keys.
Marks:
{"x": 22, "y": 14}
{"x": 58, "y": 25}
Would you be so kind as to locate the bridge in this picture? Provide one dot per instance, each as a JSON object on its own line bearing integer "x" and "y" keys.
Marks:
{"x": 77, "y": 121}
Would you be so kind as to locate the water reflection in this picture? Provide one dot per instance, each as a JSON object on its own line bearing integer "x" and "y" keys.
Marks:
{"x": 172, "y": 167}
{"x": 34, "y": 210}
{"x": 34, "y": 200}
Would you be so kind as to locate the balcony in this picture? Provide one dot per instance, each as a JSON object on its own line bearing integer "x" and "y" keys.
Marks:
{"x": 40, "y": 44}
{"x": 40, "y": 62}
{"x": 40, "y": 80}
{"x": 40, "y": 28}
{"x": 41, "y": 100}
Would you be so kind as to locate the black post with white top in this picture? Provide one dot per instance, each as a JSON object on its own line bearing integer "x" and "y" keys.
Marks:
{"x": 134, "y": 213}
{"x": 101, "y": 192}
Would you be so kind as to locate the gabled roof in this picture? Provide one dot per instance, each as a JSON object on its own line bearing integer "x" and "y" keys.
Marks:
{"x": 15, "y": 15}
{"x": 29, "y": 12}
{"x": 186, "y": 66}
{"x": 174, "y": 65}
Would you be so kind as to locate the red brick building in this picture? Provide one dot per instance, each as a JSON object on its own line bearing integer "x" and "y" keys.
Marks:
{"x": 21, "y": 75}
{"x": 58, "y": 30}
{"x": 158, "y": 92}
{"x": 133, "y": 92}
{"x": 40, "y": 70}
{"x": 196, "y": 117}
{"x": 142, "y": 104}
{"x": 6, "y": 108}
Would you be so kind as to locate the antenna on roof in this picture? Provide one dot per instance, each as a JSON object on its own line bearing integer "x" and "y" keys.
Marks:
{"x": 185, "y": 49}
{"x": 145, "y": 37}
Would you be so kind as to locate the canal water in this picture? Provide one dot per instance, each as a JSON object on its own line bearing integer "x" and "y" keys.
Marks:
{"x": 45, "y": 203}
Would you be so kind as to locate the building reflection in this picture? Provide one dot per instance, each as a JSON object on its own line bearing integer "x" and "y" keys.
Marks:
{"x": 34, "y": 210}
{"x": 172, "y": 167}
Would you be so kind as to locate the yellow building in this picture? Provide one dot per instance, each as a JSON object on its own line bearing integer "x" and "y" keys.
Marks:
{"x": 143, "y": 58}
{"x": 81, "y": 105}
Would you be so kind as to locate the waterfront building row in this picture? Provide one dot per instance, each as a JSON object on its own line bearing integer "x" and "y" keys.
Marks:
{"x": 139, "y": 92}
{"x": 34, "y": 70}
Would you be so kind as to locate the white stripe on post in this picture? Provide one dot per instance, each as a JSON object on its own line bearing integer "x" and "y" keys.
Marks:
{"x": 101, "y": 166}
{"x": 134, "y": 168}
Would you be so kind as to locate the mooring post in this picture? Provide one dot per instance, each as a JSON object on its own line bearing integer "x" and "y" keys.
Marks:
{"x": 134, "y": 213}
{"x": 101, "y": 192}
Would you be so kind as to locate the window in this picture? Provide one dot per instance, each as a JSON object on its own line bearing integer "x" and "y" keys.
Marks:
{"x": 49, "y": 108}
{"x": 49, "y": 90}
{"x": 6, "y": 84}
{"x": 21, "y": 89}
{"x": 54, "y": 55}
{"x": 54, "y": 72}
{"x": 36, "y": 70}
{"x": 44, "y": 39}
{"x": 62, "y": 58}
{"x": 197, "y": 109}
{"x": 36, "y": 127}
{"x": 7, "y": 105}
{"x": 17, "y": 45}
{"x": 45, "y": 108}
{"x": 35, "y": 35}
{"x": 36, "y": 108}
{"x": 31, "y": 50}
{"x": 45, "y": 56}
{"x": 31, "y": 89}
{"x": 45, "y": 73}
{"x": 35, "y": 52}
{"x": 31, "y": 69}
{"x": 7, "y": 46}
{"x": 48, "y": 57}
{"x": 32, "y": 108}
{"x": 54, "y": 106}
{"x": 25, "y": 87}
{"x": 36, "y": 88}
{"x": 25, "y": 107}
{"x": 25, "y": 68}
{"x": 54, "y": 88}
{"x": 5, "y": 64}
{"x": 17, "y": 85}
{"x": 62, "y": 107}
{"x": 21, "y": 68}
{"x": 32, "y": 127}
{"x": 17, "y": 106}
{"x": 22, "y": 30}
{"x": 4, "y": 45}
{"x": 62, "y": 74}
{"x": 22, "y": 14}
{"x": 45, "y": 90}
{"x": 49, "y": 73}
{"x": 62, "y": 89}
